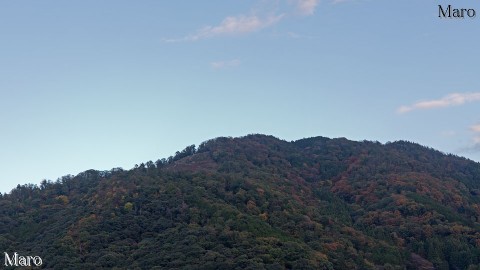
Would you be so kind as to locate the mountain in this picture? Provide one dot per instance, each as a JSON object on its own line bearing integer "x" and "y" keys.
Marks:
{"x": 257, "y": 202}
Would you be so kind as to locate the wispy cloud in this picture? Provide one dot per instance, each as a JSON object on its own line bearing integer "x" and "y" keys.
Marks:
{"x": 339, "y": 1}
{"x": 294, "y": 35}
{"x": 266, "y": 14}
{"x": 454, "y": 99}
{"x": 225, "y": 64}
{"x": 476, "y": 137}
{"x": 448, "y": 133}
{"x": 307, "y": 7}
{"x": 232, "y": 25}
{"x": 474, "y": 146}
{"x": 475, "y": 128}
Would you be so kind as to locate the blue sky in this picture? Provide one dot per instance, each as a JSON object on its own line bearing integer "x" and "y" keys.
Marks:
{"x": 103, "y": 84}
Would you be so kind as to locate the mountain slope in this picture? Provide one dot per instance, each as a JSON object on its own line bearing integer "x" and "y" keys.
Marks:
{"x": 257, "y": 202}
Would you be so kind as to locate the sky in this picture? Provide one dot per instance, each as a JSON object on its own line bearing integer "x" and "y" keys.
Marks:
{"x": 103, "y": 84}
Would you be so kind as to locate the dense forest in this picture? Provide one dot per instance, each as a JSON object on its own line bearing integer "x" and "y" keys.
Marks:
{"x": 257, "y": 202}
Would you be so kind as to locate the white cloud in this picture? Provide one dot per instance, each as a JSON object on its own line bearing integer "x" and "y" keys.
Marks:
{"x": 475, "y": 128}
{"x": 266, "y": 14}
{"x": 238, "y": 25}
{"x": 448, "y": 133}
{"x": 454, "y": 99}
{"x": 404, "y": 109}
{"x": 233, "y": 25}
{"x": 339, "y": 1}
{"x": 294, "y": 35}
{"x": 225, "y": 64}
{"x": 474, "y": 147}
{"x": 307, "y": 7}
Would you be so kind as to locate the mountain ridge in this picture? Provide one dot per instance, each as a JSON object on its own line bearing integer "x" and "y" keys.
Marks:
{"x": 258, "y": 202}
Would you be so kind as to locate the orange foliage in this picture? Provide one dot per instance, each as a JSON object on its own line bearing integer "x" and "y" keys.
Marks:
{"x": 332, "y": 246}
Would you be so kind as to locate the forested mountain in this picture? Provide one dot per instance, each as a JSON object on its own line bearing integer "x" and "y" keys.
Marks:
{"x": 257, "y": 202}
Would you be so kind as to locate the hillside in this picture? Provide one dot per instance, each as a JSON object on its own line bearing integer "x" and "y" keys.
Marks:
{"x": 257, "y": 202}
